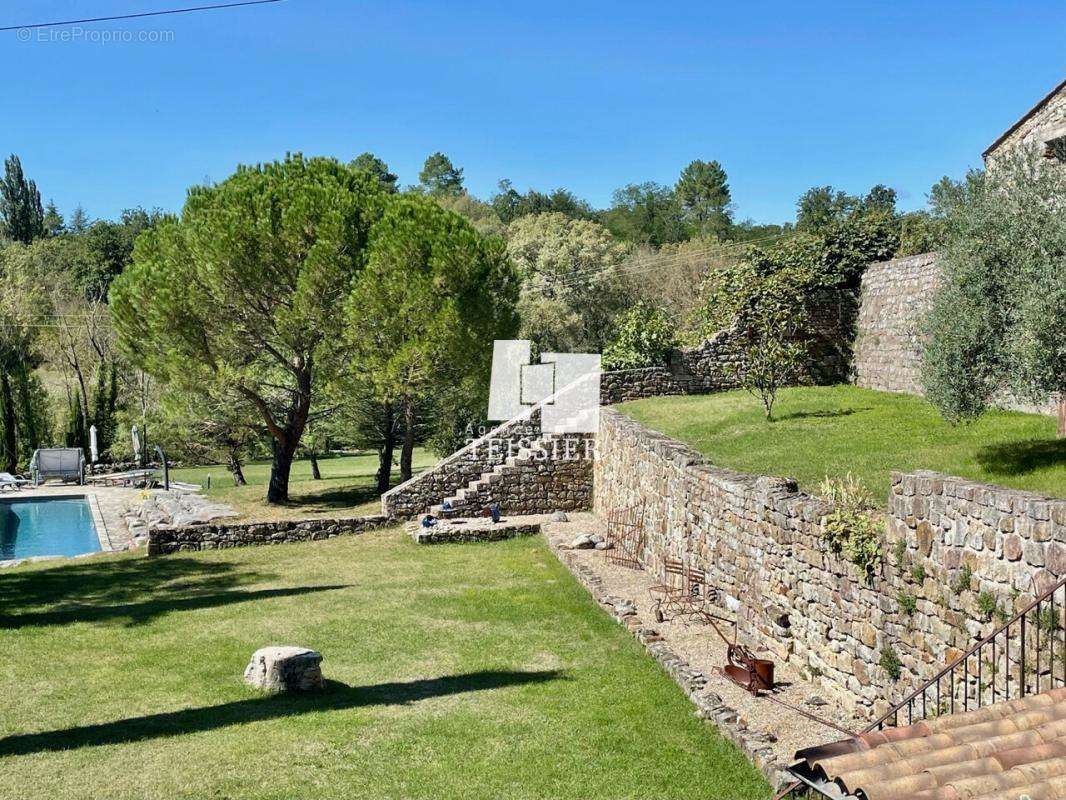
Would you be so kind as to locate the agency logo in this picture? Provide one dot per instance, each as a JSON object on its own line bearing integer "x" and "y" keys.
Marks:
{"x": 565, "y": 385}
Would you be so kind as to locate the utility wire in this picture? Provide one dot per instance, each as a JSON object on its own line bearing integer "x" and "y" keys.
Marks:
{"x": 138, "y": 15}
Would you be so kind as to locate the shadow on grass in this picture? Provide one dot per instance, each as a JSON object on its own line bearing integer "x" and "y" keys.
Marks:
{"x": 142, "y": 612}
{"x": 103, "y": 583}
{"x": 340, "y": 497}
{"x": 335, "y": 697}
{"x": 1019, "y": 458}
{"x": 840, "y": 412}
{"x": 335, "y": 498}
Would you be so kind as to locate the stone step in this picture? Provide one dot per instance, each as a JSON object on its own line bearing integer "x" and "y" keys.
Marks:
{"x": 477, "y": 494}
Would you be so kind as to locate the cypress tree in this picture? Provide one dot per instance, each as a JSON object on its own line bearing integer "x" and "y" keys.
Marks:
{"x": 21, "y": 212}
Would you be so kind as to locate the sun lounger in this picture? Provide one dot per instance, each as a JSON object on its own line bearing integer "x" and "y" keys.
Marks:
{"x": 131, "y": 478}
{"x": 11, "y": 483}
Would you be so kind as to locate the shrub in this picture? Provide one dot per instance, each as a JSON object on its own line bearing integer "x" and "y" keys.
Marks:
{"x": 643, "y": 337}
{"x": 920, "y": 232}
{"x": 890, "y": 662}
{"x": 986, "y": 603}
{"x": 1048, "y": 620}
{"x": 997, "y": 321}
{"x": 908, "y": 603}
{"x": 918, "y": 574}
{"x": 851, "y": 528}
{"x": 899, "y": 552}
{"x": 848, "y": 492}
{"x": 962, "y": 580}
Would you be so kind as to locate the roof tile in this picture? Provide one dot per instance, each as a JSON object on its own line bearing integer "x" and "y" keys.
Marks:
{"x": 998, "y": 752}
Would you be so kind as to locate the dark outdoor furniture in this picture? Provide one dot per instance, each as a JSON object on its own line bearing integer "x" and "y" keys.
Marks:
{"x": 682, "y": 590}
{"x": 624, "y": 537}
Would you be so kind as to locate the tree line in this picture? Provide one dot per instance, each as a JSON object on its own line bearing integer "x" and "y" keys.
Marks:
{"x": 309, "y": 304}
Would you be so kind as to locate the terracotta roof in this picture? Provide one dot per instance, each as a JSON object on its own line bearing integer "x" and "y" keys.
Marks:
{"x": 1002, "y": 751}
{"x": 1043, "y": 101}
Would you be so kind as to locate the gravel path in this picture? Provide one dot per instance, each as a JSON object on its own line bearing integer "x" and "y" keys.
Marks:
{"x": 698, "y": 644}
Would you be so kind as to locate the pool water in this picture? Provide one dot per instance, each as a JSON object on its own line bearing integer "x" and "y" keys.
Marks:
{"x": 46, "y": 527}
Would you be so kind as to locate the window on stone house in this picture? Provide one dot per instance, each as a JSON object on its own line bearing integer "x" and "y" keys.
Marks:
{"x": 1056, "y": 149}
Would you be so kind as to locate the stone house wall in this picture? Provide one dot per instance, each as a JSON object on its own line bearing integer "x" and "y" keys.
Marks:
{"x": 1046, "y": 121}
{"x": 163, "y": 540}
{"x": 761, "y": 543}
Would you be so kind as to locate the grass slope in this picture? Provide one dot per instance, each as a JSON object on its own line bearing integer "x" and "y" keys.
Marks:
{"x": 472, "y": 671}
{"x": 832, "y": 430}
{"x": 348, "y": 486}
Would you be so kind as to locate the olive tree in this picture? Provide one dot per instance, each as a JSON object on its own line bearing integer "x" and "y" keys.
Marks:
{"x": 244, "y": 291}
{"x": 999, "y": 321}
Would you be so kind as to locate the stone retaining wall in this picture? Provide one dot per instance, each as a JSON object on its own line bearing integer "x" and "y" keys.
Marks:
{"x": 470, "y": 530}
{"x": 761, "y": 543}
{"x": 556, "y": 478}
{"x": 711, "y": 366}
{"x": 896, "y": 296}
{"x": 167, "y": 539}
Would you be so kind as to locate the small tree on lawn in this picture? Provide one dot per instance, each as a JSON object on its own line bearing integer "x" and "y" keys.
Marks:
{"x": 243, "y": 293}
{"x": 770, "y": 356}
{"x": 763, "y": 302}
{"x": 999, "y": 322}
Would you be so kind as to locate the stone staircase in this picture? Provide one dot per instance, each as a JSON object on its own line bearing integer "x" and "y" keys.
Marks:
{"x": 515, "y": 464}
{"x": 531, "y": 481}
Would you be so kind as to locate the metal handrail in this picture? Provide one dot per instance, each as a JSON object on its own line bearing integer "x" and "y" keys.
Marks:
{"x": 1019, "y": 621}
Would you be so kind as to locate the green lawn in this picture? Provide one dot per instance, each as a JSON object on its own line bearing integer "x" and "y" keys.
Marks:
{"x": 472, "y": 671}
{"x": 348, "y": 486}
{"x": 839, "y": 429}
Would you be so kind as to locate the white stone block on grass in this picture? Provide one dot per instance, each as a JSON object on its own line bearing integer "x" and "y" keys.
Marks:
{"x": 285, "y": 669}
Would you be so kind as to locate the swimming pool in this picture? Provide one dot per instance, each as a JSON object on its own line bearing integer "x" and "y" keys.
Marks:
{"x": 47, "y": 526}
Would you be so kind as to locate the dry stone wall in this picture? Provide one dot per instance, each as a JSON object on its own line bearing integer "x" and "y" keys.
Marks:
{"x": 711, "y": 366}
{"x": 462, "y": 467}
{"x": 556, "y": 475}
{"x": 163, "y": 540}
{"x": 896, "y": 296}
{"x": 761, "y": 543}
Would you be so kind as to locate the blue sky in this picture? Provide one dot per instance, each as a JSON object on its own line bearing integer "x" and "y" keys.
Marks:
{"x": 585, "y": 95}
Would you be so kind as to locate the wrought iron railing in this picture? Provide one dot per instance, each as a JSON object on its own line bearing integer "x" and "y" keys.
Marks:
{"x": 1027, "y": 655}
